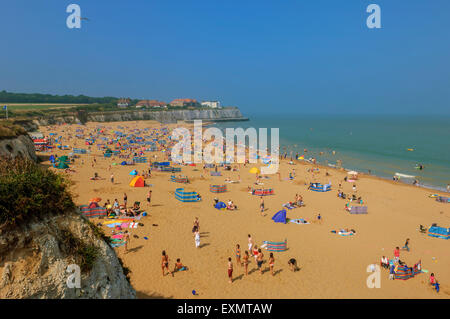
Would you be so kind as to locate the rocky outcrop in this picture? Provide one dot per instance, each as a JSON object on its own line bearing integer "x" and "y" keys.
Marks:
{"x": 20, "y": 146}
{"x": 34, "y": 262}
{"x": 27, "y": 124}
{"x": 163, "y": 116}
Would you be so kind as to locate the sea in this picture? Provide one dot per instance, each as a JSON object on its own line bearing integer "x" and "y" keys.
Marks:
{"x": 385, "y": 145}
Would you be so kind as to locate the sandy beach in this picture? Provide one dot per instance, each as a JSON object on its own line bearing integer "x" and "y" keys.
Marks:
{"x": 331, "y": 266}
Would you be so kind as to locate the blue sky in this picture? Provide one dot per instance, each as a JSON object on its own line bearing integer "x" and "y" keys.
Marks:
{"x": 302, "y": 56}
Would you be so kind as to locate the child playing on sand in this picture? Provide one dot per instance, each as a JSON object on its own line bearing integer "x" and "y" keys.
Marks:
{"x": 230, "y": 270}
{"x": 293, "y": 264}
{"x": 434, "y": 282}
{"x": 262, "y": 206}
{"x": 396, "y": 254}
{"x": 406, "y": 245}
{"x": 179, "y": 266}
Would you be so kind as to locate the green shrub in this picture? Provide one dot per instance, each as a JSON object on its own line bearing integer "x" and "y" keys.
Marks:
{"x": 28, "y": 192}
{"x": 83, "y": 253}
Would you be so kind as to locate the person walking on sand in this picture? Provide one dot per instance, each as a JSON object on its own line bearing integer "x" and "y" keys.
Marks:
{"x": 149, "y": 197}
{"x": 259, "y": 260}
{"x": 230, "y": 270}
{"x": 112, "y": 178}
{"x": 319, "y": 219}
{"x": 262, "y": 206}
{"x": 238, "y": 255}
{"x": 126, "y": 239}
{"x": 271, "y": 263}
{"x": 165, "y": 262}
{"x": 125, "y": 199}
{"x": 245, "y": 259}
{"x": 197, "y": 238}
{"x": 250, "y": 243}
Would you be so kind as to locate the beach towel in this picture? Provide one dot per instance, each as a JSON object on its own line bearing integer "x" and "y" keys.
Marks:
{"x": 439, "y": 232}
{"x": 289, "y": 206}
{"x": 299, "y": 221}
{"x": 358, "y": 210}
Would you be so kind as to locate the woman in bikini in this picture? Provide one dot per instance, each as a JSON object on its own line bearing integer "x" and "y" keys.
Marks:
{"x": 197, "y": 224}
{"x": 271, "y": 262}
{"x": 165, "y": 262}
{"x": 238, "y": 255}
{"x": 245, "y": 258}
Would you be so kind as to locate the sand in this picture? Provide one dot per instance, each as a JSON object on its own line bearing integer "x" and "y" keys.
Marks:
{"x": 332, "y": 266}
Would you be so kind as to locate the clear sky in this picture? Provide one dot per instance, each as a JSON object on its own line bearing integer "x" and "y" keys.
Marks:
{"x": 278, "y": 56}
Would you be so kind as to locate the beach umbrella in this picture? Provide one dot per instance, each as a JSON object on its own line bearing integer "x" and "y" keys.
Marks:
{"x": 254, "y": 170}
{"x": 133, "y": 172}
{"x": 95, "y": 199}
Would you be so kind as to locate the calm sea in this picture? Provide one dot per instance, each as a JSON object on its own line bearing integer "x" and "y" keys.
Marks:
{"x": 376, "y": 143}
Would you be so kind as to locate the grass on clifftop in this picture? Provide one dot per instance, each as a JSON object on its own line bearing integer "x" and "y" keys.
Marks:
{"x": 9, "y": 130}
{"x": 29, "y": 192}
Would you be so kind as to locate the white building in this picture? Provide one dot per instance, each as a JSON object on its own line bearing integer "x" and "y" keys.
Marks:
{"x": 212, "y": 104}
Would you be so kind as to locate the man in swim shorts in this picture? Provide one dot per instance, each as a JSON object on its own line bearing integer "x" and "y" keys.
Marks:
{"x": 260, "y": 260}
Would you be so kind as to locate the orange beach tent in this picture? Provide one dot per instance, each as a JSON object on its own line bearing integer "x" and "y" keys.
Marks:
{"x": 138, "y": 181}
